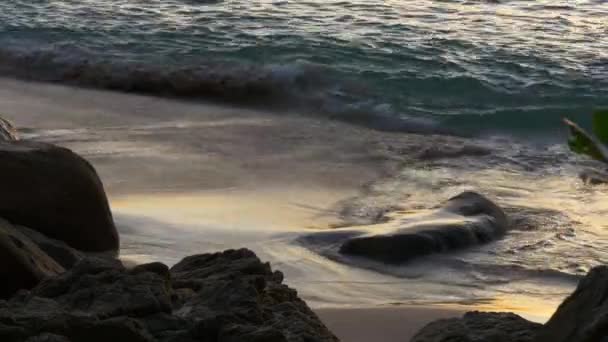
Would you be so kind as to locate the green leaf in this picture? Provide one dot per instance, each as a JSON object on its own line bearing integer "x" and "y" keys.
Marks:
{"x": 583, "y": 143}
{"x": 600, "y": 125}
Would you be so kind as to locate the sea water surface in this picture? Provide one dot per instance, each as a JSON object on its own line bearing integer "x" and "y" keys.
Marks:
{"x": 472, "y": 65}
{"x": 502, "y": 73}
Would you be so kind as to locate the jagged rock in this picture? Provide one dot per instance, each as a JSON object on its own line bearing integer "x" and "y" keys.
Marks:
{"x": 465, "y": 220}
{"x": 54, "y": 191}
{"x": 479, "y": 327}
{"x": 235, "y": 287}
{"x": 583, "y": 316}
{"x": 24, "y": 265}
{"x": 223, "y": 297}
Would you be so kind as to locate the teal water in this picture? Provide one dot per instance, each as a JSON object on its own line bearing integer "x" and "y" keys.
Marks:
{"x": 514, "y": 66}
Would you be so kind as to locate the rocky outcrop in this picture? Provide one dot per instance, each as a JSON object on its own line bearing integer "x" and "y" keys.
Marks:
{"x": 465, "y": 220}
{"x": 24, "y": 265}
{"x": 57, "y": 193}
{"x": 480, "y": 327}
{"x": 228, "y": 296}
{"x": 583, "y": 316}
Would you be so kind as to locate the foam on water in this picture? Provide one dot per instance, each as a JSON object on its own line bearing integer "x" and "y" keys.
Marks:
{"x": 513, "y": 67}
{"x": 473, "y": 65}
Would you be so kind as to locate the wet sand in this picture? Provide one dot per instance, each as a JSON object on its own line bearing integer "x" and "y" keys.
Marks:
{"x": 391, "y": 324}
{"x": 188, "y": 178}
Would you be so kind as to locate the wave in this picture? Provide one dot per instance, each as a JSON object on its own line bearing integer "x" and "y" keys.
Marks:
{"x": 302, "y": 87}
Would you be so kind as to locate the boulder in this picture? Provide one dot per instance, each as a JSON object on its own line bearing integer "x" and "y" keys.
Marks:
{"x": 583, "y": 316}
{"x": 54, "y": 191}
{"x": 480, "y": 327}
{"x": 221, "y": 297}
{"x": 465, "y": 220}
{"x": 24, "y": 265}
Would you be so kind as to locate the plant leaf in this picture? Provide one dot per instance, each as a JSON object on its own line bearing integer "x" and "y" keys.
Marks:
{"x": 600, "y": 125}
{"x": 583, "y": 143}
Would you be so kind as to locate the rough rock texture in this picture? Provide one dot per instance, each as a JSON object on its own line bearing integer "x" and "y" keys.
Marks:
{"x": 63, "y": 254}
{"x": 24, "y": 265}
{"x": 583, "y": 316}
{"x": 228, "y": 296}
{"x": 465, "y": 220}
{"x": 480, "y": 327}
{"x": 54, "y": 191}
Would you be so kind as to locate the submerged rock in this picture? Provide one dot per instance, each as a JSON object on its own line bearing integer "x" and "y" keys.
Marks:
{"x": 23, "y": 265}
{"x": 480, "y": 327}
{"x": 228, "y": 296}
{"x": 583, "y": 316}
{"x": 465, "y": 220}
{"x": 594, "y": 177}
{"x": 54, "y": 191}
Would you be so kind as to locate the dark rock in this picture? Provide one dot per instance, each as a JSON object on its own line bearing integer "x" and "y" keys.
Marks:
{"x": 465, "y": 220}
{"x": 24, "y": 265}
{"x": 63, "y": 254}
{"x": 108, "y": 288}
{"x": 583, "y": 316}
{"x": 479, "y": 327}
{"x": 594, "y": 177}
{"x": 235, "y": 288}
{"x": 54, "y": 191}
{"x": 229, "y": 296}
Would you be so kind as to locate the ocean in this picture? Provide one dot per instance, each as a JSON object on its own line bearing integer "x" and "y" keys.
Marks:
{"x": 337, "y": 84}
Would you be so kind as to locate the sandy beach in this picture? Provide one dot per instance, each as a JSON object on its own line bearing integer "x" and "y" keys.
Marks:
{"x": 397, "y": 324}
{"x": 186, "y": 177}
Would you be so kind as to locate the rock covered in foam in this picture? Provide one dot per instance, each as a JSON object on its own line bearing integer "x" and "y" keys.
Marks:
{"x": 465, "y": 220}
{"x": 56, "y": 192}
{"x": 480, "y": 327}
{"x": 228, "y": 296}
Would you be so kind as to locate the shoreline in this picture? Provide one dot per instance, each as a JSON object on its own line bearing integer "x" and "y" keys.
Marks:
{"x": 229, "y": 167}
{"x": 386, "y": 324}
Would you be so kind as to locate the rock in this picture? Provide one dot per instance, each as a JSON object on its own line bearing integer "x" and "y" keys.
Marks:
{"x": 63, "y": 254}
{"x": 222, "y": 297}
{"x": 235, "y": 287}
{"x": 479, "y": 327}
{"x": 57, "y": 193}
{"x": 594, "y": 177}
{"x": 24, "y": 265}
{"x": 465, "y": 220}
{"x": 8, "y": 132}
{"x": 583, "y": 316}
{"x": 48, "y": 338}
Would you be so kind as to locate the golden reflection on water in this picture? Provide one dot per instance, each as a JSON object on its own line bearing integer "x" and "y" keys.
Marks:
{"x": 267, "y": 209}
